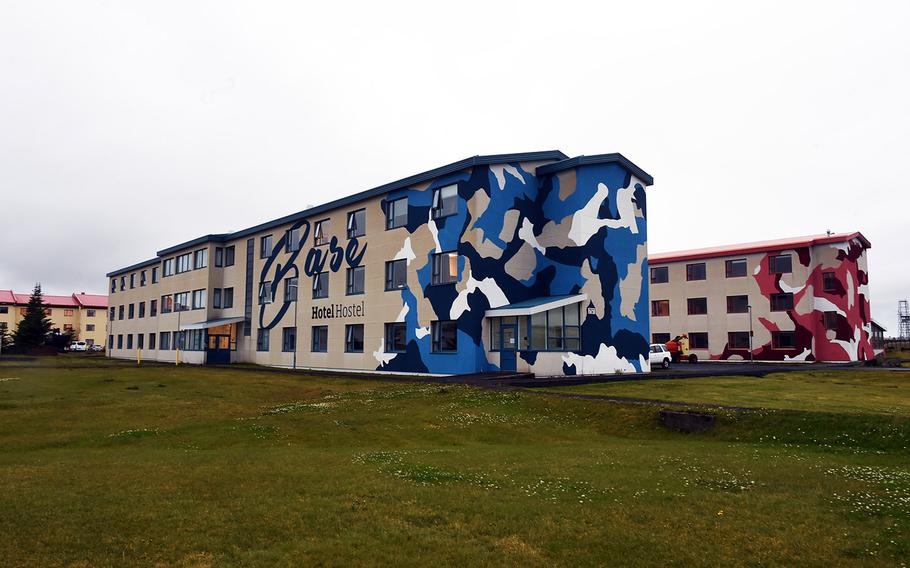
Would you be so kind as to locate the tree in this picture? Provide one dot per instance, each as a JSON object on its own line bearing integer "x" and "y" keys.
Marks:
{"x": 6, "y": 340}
{"x": 35, "y": 326}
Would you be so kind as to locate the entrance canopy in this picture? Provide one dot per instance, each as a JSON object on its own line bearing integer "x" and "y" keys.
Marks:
{"x": 210, "y": 323}
{"x": 535, "y": 305}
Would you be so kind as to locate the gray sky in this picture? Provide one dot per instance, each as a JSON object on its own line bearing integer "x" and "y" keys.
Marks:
{"x": 129, "y": 127}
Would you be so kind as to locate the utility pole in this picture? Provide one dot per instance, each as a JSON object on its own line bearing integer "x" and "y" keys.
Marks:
{"x": 751, "y": 354}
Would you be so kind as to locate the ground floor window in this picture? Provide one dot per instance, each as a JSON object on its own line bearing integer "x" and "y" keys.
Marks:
{"x": 129, "y": 340}
{"x": 289, "y": 339}
{"x": 661, "y": 338}
{"x": 262, "y": 340}
{"x": 119, "y": 341}
{"x": 698, "y": 340}
{"x": 191, "y": 340}
{"x": 783, "y": 339}
{"x": 140, "y": 340}
{"x": 396, "y": 337}
{"x": 557, "y": 329}
{"x": 152, "y": 338}
{"x": 445, "y": 337}
{"x": 738, "y": 340}
{"x": 353, "y": 334}
{"x": 165, "y": 340}
{"x": 320, "y": 342}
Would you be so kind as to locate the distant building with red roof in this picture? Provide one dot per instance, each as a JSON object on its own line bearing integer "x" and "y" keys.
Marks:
{"x": 84, "y": 314}
{"x": 797, "y": 299}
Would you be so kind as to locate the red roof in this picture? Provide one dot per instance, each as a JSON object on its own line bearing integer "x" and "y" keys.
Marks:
{"x": 72, "y": 301}
{"x": 760, "y": 246}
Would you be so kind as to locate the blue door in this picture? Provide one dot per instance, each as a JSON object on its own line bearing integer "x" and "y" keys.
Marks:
{"x": 508, "y": 345}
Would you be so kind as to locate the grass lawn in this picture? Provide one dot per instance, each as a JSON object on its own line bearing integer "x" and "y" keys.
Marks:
{"x": 114, "y": 465}
{"x": 865, "y": 392}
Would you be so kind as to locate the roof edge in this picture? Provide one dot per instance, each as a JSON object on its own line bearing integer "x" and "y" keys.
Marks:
{"x": 761, "y": 246}
{"x": 614, "y": 158}
{"x": 142, "y": 264}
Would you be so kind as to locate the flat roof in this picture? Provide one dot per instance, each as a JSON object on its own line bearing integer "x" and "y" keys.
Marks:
{"x": 535, "y": 305}
{"x": 615, "y": 158}
{"x": 759, "y": 246}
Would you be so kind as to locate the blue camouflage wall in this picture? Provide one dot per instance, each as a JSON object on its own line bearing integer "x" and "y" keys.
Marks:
{"x": 521, "y": 236}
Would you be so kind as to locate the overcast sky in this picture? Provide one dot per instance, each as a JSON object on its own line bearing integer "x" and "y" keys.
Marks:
{"x": 129, "y": 127}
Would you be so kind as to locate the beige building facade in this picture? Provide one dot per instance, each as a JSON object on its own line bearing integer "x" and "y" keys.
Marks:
{"x": 454, "y": 270}
{"x": 83, "y": 314}
{"x": 798, "y": 299}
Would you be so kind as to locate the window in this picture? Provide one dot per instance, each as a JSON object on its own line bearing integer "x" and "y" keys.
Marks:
{"x": 168, "y": 267}
{"x": 140, "y": 340}
{"x": 262, "y": 340}
{"x": 357, "y": 223}
{"x": 110, "y": 341}
{"x": 4, "y": 309}
{"x": 697, "y": 306}
{"x": 445, "y": 201}
{"x": 199, "y": 297}
{"x": 122, "y": 283}
{"x": 292, "y": 240}
{"x": 320, "y": 343}
{"x": 321, "y": 285}
{"x": 227, "y": 298}
{"x": 119, "y": 341}
{"x": 780, "y": 264}
{"x": 396, "y": 213}
{"x": 290, "y": 289}
{"x": 737, "y": 304}
{"x": 216, "y": 298}
{"x": 781, "y": 302}
{"x": 445, "y": 337}
{"x": 736, "y": 268}
{"x": 181, "y": 301}
{"x": 830, "y": 319}
{"x": 661, "y": 338}
{"x": 164, "y": 343}
{"x": 200, "y": 258}
{"x": 698, "y": 340}
{"x": 67, "y": 327}
{"x": 167, "y": 304}
{"x": 131, "y": 311}
{"x": 355, "y": 280}
{"x": 738, "y": 340}
{"x": 321, "y": 232}
{"x": 132, "y": 281}
{"x": 142, "y": 278}
{"x": 153, "y": 308}
{"x": 266, "y": 296}
{"x": 396, "y": 337}
{"x": 265, "y": 246}
{"x": 113, "y": 285}
{"x": 396, "y": 275}
{"x": 829, "y": 282}
{"x": 660, "y": 274}
{"x": 353, "y": 338}
{"x": 229, "y": 256}
{"x": 152, "y": 338}
{"x": 154, "y": 280}
{"x": 192, "y": 340}
{"x": 141, "y": 309}
{"x": 219, "y": 256}
{"x": 111, "y": 316}
{"x": 696, "y": 271}
{"x": 445, "y": 268}
{"x": 129, "y": 340}
{"x": 289, "y": 339}
{"x": 660, "y": 308}
{"x": 88, "y": 313}
{"x": 554, "y": 330}
{"x": 783, "y": 339}
{"x": 184, "y": 263}
{"x": 67, "y": 312}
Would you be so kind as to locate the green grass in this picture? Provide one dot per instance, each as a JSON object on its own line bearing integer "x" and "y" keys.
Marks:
{"x": 866, "y": 392}
{"x": 189, "y": 466}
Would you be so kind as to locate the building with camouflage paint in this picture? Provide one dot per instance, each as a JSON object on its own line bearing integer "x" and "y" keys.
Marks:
{"x": 533, "y": 262}
{"x": 804, "y": 299}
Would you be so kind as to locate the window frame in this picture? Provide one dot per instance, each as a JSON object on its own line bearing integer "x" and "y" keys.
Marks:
{"x": 699, "y": 334}
{"x": 655, "y": 304}
{"x": 776, "y": 336}
{"x": 389, "y": 281}
{"x": 266, "y": 294}
{"x": 352, "y": 217}
{"x": 350, "y": 339}
{"x": 690, "y": 302}
{"x": 389, "y": 333}
{"x": 665, "y": 270}
{"x": 690, "y": 268}
{"x": 436, "y": 328}
{"x": 317, "y": 278}
{"x": 288, "y": 346}
{"x": 436, "y": 265}
{"x": 184, "y": 262}
{"x": 730, "y": 306}
{"x": 829, "y": 275}
{"x": 320, "y": 228}
{"x": 773, "y": 260}
{"x": 390, "y": 217}
{"x": 265, "y": 246}
{"x": 730, "y": 342}
{"x": 292, "y": 240}
{"x": 774, "y": 299}
{"x": 314, "y": 336}
{"x": 262, "y": 340}
{"x": 291, "y": 289}
{"x": 349, "y": 281}
{"x": 438, "y": 207}
{"x": 729, "y": 273}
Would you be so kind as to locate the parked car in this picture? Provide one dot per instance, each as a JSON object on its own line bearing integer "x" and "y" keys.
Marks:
{"x": 96, "y": 348}
{"x": 659, "y": 356}
{"x": 78, "y": 346}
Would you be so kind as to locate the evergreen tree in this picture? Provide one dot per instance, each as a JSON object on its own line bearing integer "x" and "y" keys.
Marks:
{"x": 35, "y": 326}
{"x": 6, "y": 340}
